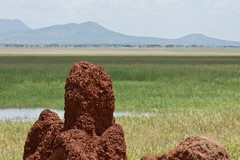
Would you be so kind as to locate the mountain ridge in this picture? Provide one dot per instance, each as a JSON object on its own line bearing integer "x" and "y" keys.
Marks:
{"x": 14, "y": 25}
{"x": 16, "y": 32}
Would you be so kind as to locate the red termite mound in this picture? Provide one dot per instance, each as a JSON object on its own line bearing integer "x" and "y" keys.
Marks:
{"x": 150, "y": 157}
{"x": 89, "y": 99}
{"x": 194, "y": 148}
{"x": 38, "y": 145}
{"x": 89, "y": 131}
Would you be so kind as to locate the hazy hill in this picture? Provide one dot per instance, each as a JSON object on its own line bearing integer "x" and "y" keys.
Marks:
{"x": 16, "y": 32}
{"x": 11, "y": 26}
{"x": 200, "y": 39}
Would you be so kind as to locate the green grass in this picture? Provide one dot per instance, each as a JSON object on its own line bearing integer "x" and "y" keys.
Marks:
{"x": 12, "y": 137}
{"x": 160, "y": 133}
{"x": 140, "y": 83}
{"x": 154, "y": 134}
{"x": 188, "y": 96}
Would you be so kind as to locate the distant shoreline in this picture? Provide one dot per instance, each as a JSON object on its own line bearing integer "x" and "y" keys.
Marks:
{"x": 201, "y": 52}
{"x": 12, "y": 45}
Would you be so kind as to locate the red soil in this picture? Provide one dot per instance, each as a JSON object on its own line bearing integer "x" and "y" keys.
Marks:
{"x": 194, "y": 148}
{"x": 38, "y": 145}
{"x": 89, "y": 99}
{"x": 89, "y": 131}
{"x": 149, "y": 157}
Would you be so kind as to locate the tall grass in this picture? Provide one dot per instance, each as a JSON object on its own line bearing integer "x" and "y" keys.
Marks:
{"x": 154, "y": 134}
{"x": 160, "y": 133}
{"x": 12, "y": 137}
{"x": 140, "y": 83}
{"x": 186, "y": 95}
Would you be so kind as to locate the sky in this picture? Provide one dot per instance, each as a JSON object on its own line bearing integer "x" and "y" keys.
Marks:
{"x": 153, "y": 18}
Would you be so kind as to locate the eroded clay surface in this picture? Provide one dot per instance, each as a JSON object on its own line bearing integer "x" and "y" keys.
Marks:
{"x": 38, "y": 145}
{"x": 89, "y": 131}
{"x": 194, "y": 148}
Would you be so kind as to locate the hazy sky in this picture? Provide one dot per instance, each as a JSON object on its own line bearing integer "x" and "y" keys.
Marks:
{"x": 158, "y": 18}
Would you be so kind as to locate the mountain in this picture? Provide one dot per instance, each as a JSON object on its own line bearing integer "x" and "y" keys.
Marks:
{"x": 84, "y": 33}
{"x": 7, "y": 26}
{"x": 200, "y": 39}
{"x": 16, "y": 32}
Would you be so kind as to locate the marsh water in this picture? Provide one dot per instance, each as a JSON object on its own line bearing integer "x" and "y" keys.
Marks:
{"x": 31, "y": 114}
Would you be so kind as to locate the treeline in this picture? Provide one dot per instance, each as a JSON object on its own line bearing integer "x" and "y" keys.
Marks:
{"x": 108, "y": 46}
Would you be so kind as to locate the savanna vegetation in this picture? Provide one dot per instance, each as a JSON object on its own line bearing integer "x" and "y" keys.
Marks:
{"x": 184, "y": 95}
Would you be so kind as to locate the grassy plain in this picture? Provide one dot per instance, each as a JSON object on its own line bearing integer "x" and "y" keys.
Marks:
{"x": 190, "y": 92}
{"x": 140, "y": 83}
{"x": 154, "y": 134}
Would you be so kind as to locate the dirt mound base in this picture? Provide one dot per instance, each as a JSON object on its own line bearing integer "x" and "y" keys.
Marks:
{"x": 89, "y": 131}
{"x": 194, "y": 148}
{"x": 149, "y": 157}
{"x": 75, "y": 144}
{"x": 38, "y": 145}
